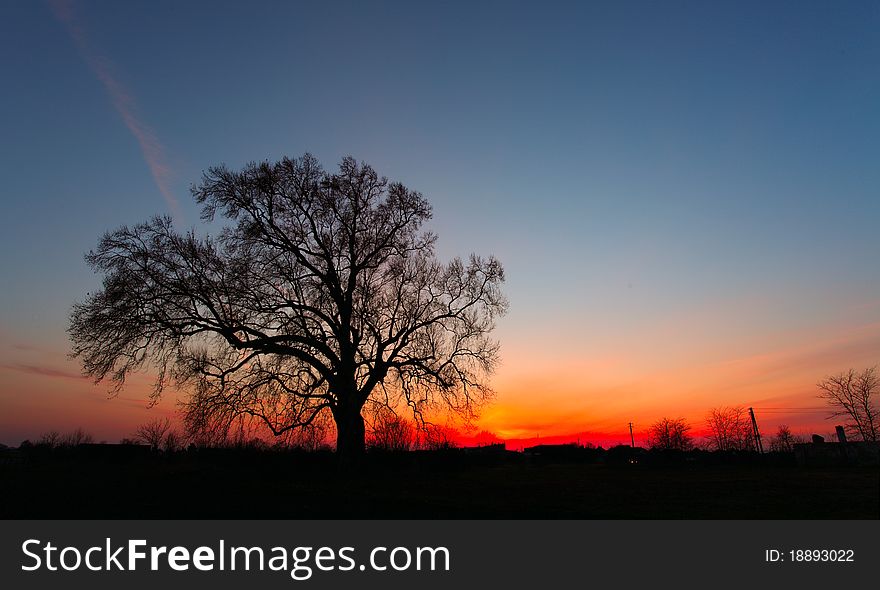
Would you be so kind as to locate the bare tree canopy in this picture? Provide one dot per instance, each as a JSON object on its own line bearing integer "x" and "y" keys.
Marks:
{"x": 853, "y": 394}
{"x": 390, "y": 432}
{"x": 153, "y": 433}
{"x": 784, "y": 440}
{"x": 159, "y": 435}
{"x": 54, "y": 439}
{"x": 319, "y": 293}
{"x": 670, "y": 434}
{"x": 730, "y": 429}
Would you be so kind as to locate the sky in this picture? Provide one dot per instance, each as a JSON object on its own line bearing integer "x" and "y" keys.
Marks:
{"x": 684, "y": 194}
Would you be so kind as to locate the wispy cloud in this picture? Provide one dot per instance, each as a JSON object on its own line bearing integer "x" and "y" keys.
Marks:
{"x": 857, "y": 344}
{"x": 43, "y": 371}
{"x": 26, "y": 348}
{"x": 122, "y": 100}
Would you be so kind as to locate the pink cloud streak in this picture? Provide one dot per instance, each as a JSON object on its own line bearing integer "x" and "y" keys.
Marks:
{"x": 123, "y": 102}
{"x": 43, "y": 371}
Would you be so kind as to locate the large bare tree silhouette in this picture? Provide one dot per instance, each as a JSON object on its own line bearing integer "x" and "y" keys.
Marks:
{"x": 319, "y": 293}
{"x": 854, "y": 395}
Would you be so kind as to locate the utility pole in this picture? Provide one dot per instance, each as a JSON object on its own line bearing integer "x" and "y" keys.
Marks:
{"x": 758, "y": 446}
{"x": 632, "y": 441}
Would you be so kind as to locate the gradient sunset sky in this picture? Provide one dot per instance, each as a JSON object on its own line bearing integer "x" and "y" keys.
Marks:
{"x": 685, "y": 195}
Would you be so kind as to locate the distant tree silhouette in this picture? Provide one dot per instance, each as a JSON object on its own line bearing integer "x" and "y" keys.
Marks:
{"x": 436, "y": 437}
{"x": 853, "y": 394}
{"x": 730, "y": 429}
{"x": 314, "y": 437}
{"x": 391, "y": 432}
{"x": 77, "y": 437}
{"x": 159, "y": 435}
{"x": 54, "y": 439}
{"x": 784, "y": 440}
{"x": 670, "y": 434}
{"x": 173, "y": 442}
{"x": 51, "y": 439}
{"x": 153, "y": 433}
{"x": 320, "y": 292}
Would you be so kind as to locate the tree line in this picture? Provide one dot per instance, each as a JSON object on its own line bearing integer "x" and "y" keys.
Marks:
{"x": 850, "y": 395}
{"x": 728, "y": 429}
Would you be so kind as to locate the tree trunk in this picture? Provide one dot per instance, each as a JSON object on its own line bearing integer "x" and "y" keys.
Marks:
{"x": 350, "y": 434}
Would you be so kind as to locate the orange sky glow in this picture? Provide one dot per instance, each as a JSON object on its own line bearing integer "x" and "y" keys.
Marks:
{"x": 548, "y": 396}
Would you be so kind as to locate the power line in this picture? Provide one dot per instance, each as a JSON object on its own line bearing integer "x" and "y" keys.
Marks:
{"x": 793, "y": 411}
{"x": 793, "y": 408}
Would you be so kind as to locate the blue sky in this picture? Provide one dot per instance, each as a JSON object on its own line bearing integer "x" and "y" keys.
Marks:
{"x": 631, "y": 162}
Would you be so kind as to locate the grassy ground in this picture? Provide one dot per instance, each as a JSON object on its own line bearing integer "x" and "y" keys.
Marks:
{"x": 244, "y": 487}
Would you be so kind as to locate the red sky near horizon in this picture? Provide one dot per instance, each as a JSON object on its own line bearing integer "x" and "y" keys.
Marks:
{"x": 550, "y": 399}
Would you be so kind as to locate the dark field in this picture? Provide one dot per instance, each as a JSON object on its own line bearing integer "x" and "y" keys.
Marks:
{"x": 244, "y": 485}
